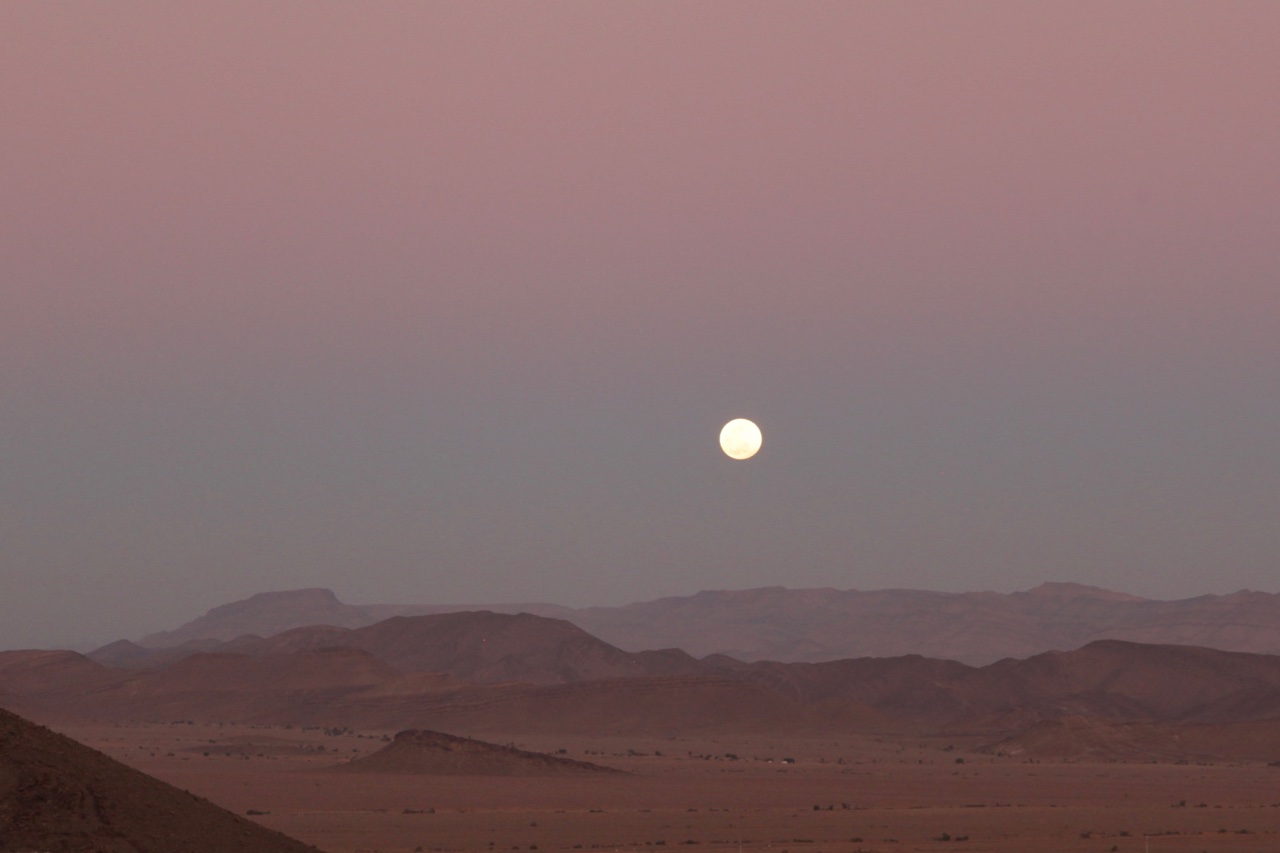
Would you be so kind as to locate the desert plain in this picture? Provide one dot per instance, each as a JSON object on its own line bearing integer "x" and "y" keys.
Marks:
{"x": 485, "y": 731}
{"x": 756, "y": 791}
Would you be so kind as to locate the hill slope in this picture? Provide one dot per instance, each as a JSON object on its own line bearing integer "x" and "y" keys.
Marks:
{"x": 60, "y": 796}
{"x": 481, "y": 647}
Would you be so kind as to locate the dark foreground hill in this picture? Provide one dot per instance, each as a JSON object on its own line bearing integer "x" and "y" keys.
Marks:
{"x": 439, "y": 754}
{"x": 59, "y": 796}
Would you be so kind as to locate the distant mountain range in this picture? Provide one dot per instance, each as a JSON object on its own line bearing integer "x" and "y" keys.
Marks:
{"x": 1139, "y": 679}
{"x": 811, "y": 625}
{"x": 485, "y": 672}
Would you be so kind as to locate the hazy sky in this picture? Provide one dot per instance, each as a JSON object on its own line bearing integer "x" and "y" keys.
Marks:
{"x": 442, "y": 302}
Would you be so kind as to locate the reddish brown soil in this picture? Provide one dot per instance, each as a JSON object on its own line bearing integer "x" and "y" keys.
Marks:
{"x": 1081, "y": 738}
{"x": 886, "y": 754}
{"x": 902, "y": 794}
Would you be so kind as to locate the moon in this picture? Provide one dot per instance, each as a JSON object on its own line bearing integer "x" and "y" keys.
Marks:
{"x": 740, "y": 439}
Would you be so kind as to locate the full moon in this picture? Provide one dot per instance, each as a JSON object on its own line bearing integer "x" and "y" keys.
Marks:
{"x": 740, "y": 439}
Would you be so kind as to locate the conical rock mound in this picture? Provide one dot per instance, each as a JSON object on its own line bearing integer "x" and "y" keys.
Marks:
{"x": 440, "y": 754}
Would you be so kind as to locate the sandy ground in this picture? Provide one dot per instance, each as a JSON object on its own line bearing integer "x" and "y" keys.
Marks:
{"x": 885, "y": 794}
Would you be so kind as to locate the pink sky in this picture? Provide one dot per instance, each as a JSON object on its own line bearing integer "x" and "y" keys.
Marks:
{"x": 897, "y": 161}
{"x": 535, "y": 204}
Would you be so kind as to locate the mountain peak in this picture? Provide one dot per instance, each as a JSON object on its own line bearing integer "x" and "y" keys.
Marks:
{"x": 1066, "y": 589}
{"x": 266, "y": 613}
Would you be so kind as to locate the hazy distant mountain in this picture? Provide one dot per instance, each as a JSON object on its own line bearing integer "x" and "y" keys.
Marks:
{"x": 1109, "y": 679}
{"x": 463, "y": 672}
{"x": 265, "y": 614}
{"x": 60, "y": 796}
{"x": 481, "y": 647}
{"x": 775, "y": 623}
{"x": 269, "y": 613}
{"x": 487, "y": 672}
{"x": 976, "y": 627}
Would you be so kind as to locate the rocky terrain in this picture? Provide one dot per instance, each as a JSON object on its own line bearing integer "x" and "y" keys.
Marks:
{"x": 439, "y": 754}
{"x": 59, "y": 796}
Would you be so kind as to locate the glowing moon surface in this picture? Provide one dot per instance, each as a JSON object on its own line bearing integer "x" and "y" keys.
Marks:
{"x": 740, "y": 439}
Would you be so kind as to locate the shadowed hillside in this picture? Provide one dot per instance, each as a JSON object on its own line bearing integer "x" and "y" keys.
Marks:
{"x": 480, "y": 647}
{"x": 1109, "y": 678}
{"x": 60, "y": 796}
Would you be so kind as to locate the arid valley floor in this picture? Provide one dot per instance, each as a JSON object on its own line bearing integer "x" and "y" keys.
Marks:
{"x": 485, "y": 731}
{"x": 805, "y": 795}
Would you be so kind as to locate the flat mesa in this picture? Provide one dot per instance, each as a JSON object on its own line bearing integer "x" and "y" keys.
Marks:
{"x": 740, "y": 439}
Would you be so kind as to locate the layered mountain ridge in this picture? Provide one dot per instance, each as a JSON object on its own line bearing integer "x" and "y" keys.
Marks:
{"x": 809, "y": 625}
{"x": 489, "y": 672}
{"x": 484, "y": 672}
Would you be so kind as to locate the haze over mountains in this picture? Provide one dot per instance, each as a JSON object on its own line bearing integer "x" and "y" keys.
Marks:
{"x": 487, "y": 672}
{"x": 477, "y": 673}
{"x": 775, "y": 623}
{"x": 482, "y": 671}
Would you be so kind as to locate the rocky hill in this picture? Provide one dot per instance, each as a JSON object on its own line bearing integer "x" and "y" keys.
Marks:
{"x": 59, "y": 796}
{"x": 438, "y": 754}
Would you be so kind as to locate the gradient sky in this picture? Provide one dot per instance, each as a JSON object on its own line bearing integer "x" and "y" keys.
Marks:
{"x": 447, "y": 302}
